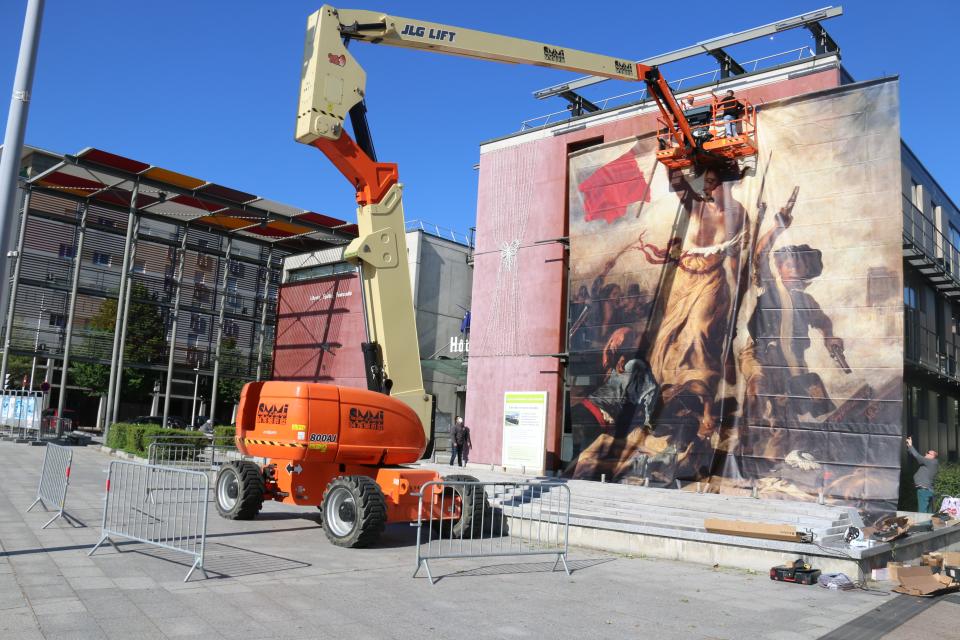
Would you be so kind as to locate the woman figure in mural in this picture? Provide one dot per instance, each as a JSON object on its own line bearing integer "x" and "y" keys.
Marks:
{"x": 687, "y": 356}
{"x": 779, "y": 388}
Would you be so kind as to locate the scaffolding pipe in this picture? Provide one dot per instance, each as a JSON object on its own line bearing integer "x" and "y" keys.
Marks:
{"x": 15, "y": 285}
{"x": 68, "y": 338}
{"x": 216, "y": 351}
{"x": 123, "y": 323}
{"x": 173, "y": 328}
{"x": 124, "y": 270}
{"x": 263, "y": 314}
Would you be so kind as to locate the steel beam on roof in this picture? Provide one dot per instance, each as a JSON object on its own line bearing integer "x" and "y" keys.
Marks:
{"x": 825, "y": 44}
{"x": 728, "y": 66}
{"x": 705, "y": 47}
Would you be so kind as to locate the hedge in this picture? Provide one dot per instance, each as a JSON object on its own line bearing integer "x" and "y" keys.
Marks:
{"x": 136, "y": 438}
{"x": 947, "y": 482}
{"x": 225, "y": 435}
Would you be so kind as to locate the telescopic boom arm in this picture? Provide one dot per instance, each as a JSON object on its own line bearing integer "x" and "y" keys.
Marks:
{"x": 333, "y": 86}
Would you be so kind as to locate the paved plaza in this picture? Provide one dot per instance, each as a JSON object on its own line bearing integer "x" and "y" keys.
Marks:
{"x": 278, "y": 577}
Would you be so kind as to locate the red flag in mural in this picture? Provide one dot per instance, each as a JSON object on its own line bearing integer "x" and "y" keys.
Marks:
{"x": 612, "y": 187}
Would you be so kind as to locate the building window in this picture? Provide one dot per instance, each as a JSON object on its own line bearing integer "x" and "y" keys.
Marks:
{"x": 192, "y": 341}
{"x": 233, "y": 297}
{"x": 105, "y": 222}
{"x": 916, "y": 195}
{"x": 139, "y": 266}
{"x": 941, "y": 408}
{"x": 199, "y": 277}
{"x": 66, "y": 251}
{"x": 198, "y": 323}
{"x": 954, "y": 236}
{"x": 919, "y": 402}
{"x": 910, "y": 297}
{"x": 102, "y": 259}
{"x": 57, "y": 320}
{"x": 236, "y": 268}
{"x": 231, "y": 329}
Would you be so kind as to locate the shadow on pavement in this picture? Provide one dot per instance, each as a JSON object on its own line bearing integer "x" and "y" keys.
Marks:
{"x": 522, "y": 567}
{"x": 226, "y": 561}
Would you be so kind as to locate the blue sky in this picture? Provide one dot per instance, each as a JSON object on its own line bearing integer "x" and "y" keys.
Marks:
{"x": 209, "y": 88}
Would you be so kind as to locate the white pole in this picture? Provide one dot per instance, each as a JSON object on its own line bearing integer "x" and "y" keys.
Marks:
{"x": 13, "y": 137}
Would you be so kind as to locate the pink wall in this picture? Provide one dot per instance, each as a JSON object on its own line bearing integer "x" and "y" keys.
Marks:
{"x": 518, "y": 307}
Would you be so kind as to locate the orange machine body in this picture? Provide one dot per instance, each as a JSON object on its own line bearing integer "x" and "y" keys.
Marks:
{"x": 313, "y": 433}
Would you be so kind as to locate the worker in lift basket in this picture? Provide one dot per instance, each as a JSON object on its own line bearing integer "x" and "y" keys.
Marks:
{"x": 924, "y": 477}
{"x": 731, "y": 110}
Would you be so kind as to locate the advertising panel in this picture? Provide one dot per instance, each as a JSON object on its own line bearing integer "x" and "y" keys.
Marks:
{"x": 524, "y": 429}
{"x": 740, "y": 325}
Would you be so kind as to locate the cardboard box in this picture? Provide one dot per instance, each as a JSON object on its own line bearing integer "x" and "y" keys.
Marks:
{"x": 783, "y": 532}
{"x": 951, "y": 559}
{"x": 921, "y": 581}
{"x": 892, "y": 570}
{"x": 933, "y": 560}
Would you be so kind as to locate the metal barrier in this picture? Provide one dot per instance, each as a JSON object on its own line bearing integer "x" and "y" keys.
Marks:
{"x": 54, "y": 480}
{"x": 159, "y": 506}
{"x": 492, "y": 519}
{"x": 180, "y": 455}
{"x": 187, "y": 452}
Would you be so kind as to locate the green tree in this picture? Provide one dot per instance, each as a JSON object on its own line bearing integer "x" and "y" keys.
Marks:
{"x": 18, "y": 368}
{"x": 232, "y": 372}
{"x": 145, "y": 344}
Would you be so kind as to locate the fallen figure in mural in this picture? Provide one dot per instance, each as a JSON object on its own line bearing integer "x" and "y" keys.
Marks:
{"x": 626, "y": 398}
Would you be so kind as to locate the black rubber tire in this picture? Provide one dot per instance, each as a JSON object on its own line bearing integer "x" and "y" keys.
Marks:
{"x": 474, "y": 516}
{"x": 250, "y": 490}
{"x": 369, "y": 515}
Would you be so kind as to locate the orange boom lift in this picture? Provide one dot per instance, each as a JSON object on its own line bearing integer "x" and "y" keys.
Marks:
{"x": 340, "y": 448}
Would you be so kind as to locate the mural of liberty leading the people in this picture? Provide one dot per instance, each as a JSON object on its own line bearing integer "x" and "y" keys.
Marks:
{"x": 736, "y": 327}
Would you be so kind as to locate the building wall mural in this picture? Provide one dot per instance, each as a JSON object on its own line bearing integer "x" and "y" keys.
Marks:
{"x": 741, "y": 327}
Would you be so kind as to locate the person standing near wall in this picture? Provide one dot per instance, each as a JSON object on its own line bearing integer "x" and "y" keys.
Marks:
{"x": 459, "y": 442}
{"x": 924, "y": 477}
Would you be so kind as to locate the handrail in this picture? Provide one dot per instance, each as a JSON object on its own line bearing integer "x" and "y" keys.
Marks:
{"x": 676, "y": 85}
{"x": 439, "y": 232}
{"x": 923, "y": 234}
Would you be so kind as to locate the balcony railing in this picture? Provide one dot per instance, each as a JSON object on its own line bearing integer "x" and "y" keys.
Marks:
{"x": 928, "y": 349}
{"x": 928, "y": 249}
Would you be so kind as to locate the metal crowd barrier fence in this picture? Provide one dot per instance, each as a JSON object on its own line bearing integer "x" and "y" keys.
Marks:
{"x": 492, "y": 519}
{"x": 158, "y": 506}
{"x": 187, "y": 452}
{"x": 54, "y": 481}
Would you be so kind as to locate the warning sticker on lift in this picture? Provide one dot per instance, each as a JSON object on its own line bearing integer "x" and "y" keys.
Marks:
{"x": 298, "y": 427}
{"x": 318, "y": 446}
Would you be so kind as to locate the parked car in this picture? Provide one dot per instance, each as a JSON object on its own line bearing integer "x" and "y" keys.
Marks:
{"x": 173, "y": 422}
